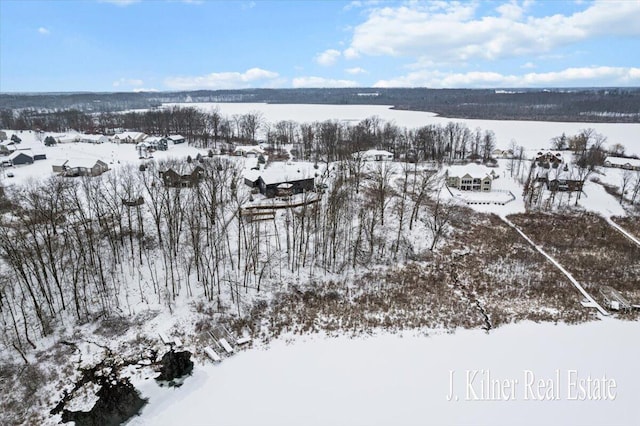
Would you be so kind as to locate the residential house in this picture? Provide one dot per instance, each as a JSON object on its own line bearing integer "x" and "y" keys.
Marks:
{"x": 176, "y": 139}
{"x": 249, "y": 151}
{"x": 20, "y": 157}
{"x": 129, "y": 137}
{"x": 59, "y": 166}
{"x": 622, "y": 163}
{"x": 251, "y": 177}
{"x": 284, "y": 179}
{"x": 470, "y": 177}
{"x": 185, "y": 178}
{"x": 94, "y": 139}
{"x": 152, "y": 142}
{"x": 375, "y": 155}
{"x": 7, "y": 147}
{"x": 546, "y": 163}
{"x": 80, "y": 167}
{"x": 562, "y": 180}
{"x": 68, "y": 138}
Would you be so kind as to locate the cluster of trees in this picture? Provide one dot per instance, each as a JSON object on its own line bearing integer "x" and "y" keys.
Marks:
{"x": 81, "y": 249}
{"x": 587, "y": 105}
{"x": 333, "y": 140}
{"x": 329, "y": 140}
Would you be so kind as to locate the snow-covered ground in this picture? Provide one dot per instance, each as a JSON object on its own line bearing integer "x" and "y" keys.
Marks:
{"x": 530, "y": 134}
{"x": 405, "y": 380}
{"x": 113, "y": 154}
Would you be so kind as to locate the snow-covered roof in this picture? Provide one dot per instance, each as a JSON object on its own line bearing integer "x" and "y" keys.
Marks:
{"x": 93, "y": 137}
{"x": 15, "y": 154}
{"x": 82, "y": 162}
{"x": 285, "y": 172}
{"x": 548, "y": 154}
{"x": 67, "y": 138}
{"x": 251, "y": 175}
{"x": 131, "y": 135}
{"x": 175, "y": 137}
{"x": 374, "y": 153}
{"x": 621, "y": 161}
{"x": 249, "y": 148}
{"x": 472, "y": 169}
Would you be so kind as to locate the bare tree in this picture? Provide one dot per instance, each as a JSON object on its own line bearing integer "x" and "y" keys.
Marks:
{"x": 438, "y": 218}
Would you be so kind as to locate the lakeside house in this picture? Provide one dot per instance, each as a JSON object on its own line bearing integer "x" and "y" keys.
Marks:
{"x": 282, "y": 179}
{"x": 470, "y": 177}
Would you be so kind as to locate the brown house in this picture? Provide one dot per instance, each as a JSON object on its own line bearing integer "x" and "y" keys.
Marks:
{"x": 186, "y": 179}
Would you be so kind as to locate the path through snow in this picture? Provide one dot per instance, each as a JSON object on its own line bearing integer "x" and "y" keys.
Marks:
{"x": 591, "y": 301}
{"x": 622, "y": 230}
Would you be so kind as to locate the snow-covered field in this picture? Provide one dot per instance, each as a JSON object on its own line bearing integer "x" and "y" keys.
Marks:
{"x": 404, "y": 380}
{"x": 530, "y": 134}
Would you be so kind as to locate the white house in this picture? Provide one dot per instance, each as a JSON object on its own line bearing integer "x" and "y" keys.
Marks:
{"x": 129, "y": 137}
{"x": 68, "y": 138}
{"x": 249, "y": 150}
{"x": 622, "y": 163}
{"x": 375, "y": 155}
{"x": 94, "y": 139}
{"x": 470, "y": 177}
{"x": 176, "y": 139}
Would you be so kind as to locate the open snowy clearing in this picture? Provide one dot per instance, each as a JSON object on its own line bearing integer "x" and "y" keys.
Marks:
{"x": 389, "y": 379}
{"x": 530, "y": 134}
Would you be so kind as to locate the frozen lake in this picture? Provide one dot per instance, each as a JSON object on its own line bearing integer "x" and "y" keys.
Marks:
{"x": 530, "y": 134}
{"x": 392, "y": 380}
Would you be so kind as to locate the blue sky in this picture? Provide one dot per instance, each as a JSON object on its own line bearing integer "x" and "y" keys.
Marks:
{"x": 128, "y": 45}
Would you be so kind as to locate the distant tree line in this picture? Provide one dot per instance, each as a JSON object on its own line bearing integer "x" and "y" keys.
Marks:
{"x": 583, "y": 105}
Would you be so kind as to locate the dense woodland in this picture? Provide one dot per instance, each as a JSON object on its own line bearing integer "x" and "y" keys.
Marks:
{"x": 584, "y": 105}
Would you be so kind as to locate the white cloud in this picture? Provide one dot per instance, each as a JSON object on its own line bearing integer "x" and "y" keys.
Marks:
{"x": 356, "y": 70}
{"x": 350, "y": 53}
{"x": 128, "y": 82}
{"x": 328, "y": 57}
{"x": 511, "y": 10}
{"x": 452, "y": 31}
{"x": 321, "y": 82}
{"x": 528, "y": 65}
{"x": 570, "y": 77}
{"x": 254, "y": 77}
{"x": 44, "y": 31}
